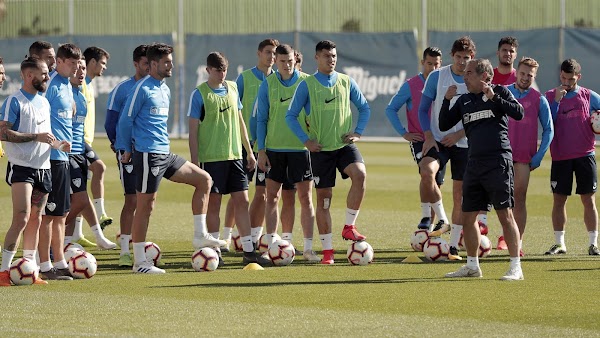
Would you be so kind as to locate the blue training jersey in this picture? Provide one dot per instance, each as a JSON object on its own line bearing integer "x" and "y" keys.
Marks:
{"x": 78, "y": 145}
{"x": 147, "y": 109}
{"x": 60, "y": 97}
{"x": 116, "y": 100}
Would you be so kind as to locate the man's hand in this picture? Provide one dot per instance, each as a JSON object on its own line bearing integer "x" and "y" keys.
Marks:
{"x": 487, "y": 90}
{"x": 64, "y": 146}
{"x": 561, "y": 91}
{"x": 263, "y": 161}
{"x": 251, "y": 161}
{"x": 313, "y": 146}
{"x": 413, "y": 137}
{"x": 451, "y": 92}
{"x": 112, "y": 147}
{"x": 46, "y": 138}
{"x": 126, "y": 157}
{"x": 429, "y": 143}
{"x": 451, "y": 139}
{"x": 349, "y": 138}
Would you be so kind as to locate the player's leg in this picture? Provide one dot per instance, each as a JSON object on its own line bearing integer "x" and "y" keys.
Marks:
{"x": 228, "y": 224}
{"x": 21, "y": 192}
{"x": 586, "y": 177}
{"x": 522, "y": 174}
{"x": 242, "y": 221}
{"x": 98, "y": 168}
{"x": 257, "y": 207}
{"x": 127, "y": 177}
{"x": 288, "y": 212}
{"x": 83, "y": 205}
{"x": 273, "y": 194}
{"x": 31, "y": 232}
{"x": 307, "y": 219}
{"x": 561, "y": 182}
{"x": 416, "y": 149}
{"x": 350, "y": 163}
{"x": 434, "y": 162}
{"x": 323, "y": 218}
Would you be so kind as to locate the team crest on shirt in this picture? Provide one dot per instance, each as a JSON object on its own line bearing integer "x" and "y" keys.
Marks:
{"x": 90, "y": 154}
{"x": 317, "y": 179}
{"x": 77, "y": 182}
{"x": 154, "y": 170}
{"x": 261, "y": 176}
{"x": 553, "y": 184}
{"x": 51, "y": 206}
{"x": 73, "y": 163}
{"x": 128, "y": 168}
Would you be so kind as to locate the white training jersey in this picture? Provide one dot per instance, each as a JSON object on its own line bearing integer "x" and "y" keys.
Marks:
{"x": 446, "y": 80}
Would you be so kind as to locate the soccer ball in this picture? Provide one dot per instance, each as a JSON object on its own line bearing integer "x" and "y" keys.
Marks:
{"x": 436, "y": 249}
{"x": 153, "y": 253}
{"x": 72, "y": 252}
{"x": 73, "y": 245}
{"x": 23, "y": 272}
{"x": 236, "y": 239}
{"x": 119, "y": 240}
{"x": 360, "y": 253}
{"x": 83, "y": 266}
{"x": 205, "y": 259}
{"x": 485, "y": 246}
{"x": 595, "y": 121}
{"x": 263, "y": 246}
{"x": 282, "y": 252}
{"x": 418, "y": 239}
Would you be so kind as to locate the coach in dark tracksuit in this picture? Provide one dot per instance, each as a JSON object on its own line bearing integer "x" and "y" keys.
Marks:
{"x": 488, "y": 179}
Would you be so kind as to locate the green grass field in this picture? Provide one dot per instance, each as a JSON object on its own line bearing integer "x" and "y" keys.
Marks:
{"x": 387, "y": 298}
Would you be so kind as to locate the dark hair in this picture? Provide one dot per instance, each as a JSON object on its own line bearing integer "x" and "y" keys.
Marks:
{"x": 94, "y": 53}
{"x": 267, "y": 42}
{"x": 571, "y": 66}
{"x": 37, "y": 47}
{"x": 432, "y": 51}
{"x": 298, "y": 57}
{"x": 463, "y": 44}
{"x": 508, "y": 40}
{"x": 157, "y": 50}
{"x": 325, "y": 44}
{"x": 217, "y": 60}
{"x": 32, "y": 62}
{"x": 284, "y": 50}
{"x": 139, "y": 52}
{"x": 68, "y": 51}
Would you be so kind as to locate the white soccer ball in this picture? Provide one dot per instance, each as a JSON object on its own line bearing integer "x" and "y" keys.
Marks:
{"x": 153, "y": 253}
{"x": 72, "y": 252}
{"x": 418, "y": 239}
{"x": 263, "y": 246}
{"x": 83, "y": 266}
{"x": 205, "y": 259}
{"x": 485, "y": 246}
{"x": 282, "y": 252}
{"x": 73, "y": 245}
{"x": 595, "y": 121}
{"x": 236, "y": 239}
{"x": 360, "y": 253}
{"x": 436, "y": 249}
{"x": 23, "y": 272}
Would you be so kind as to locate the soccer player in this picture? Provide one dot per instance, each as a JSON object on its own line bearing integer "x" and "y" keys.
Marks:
{"x": 148, "y": 110}
{"x": 80, "y": 201}
{"x": 247, "y": 83}
{"x": 217, "y": 133}
{"x": 325, "y": 97}
{"x": 116, "y": 100}
{"x": 52, "y": 230}
{"x": 573, "y": 150}
{"x": 410, "y": 94}
{"x": 45, "y": 52}
{"x": 2, "y": 79}
{"x": 488, "y": 178}
{"x": 299, "y": 58}
{"x": 523, "y": 135}
{"x": 280, "y": 154}
{"x": 25, "y": 127}
{"x": 451, "y": 145}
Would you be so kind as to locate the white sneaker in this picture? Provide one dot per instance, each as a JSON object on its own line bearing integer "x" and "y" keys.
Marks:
{"x": 465, "y": 271}
{"x": 147, "y": 267}
{"x": 207, "y": 241}
{"x": 311, "y": 256}
{"x": 105, "y": 244}
{"x": 513, "y": 274}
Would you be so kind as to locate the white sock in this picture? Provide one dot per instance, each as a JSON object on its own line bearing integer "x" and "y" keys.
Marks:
{"x": 425, "y": 209}
{"x": 124, "y": 243}
{"x": 45, "y": 266}
{"x": 247, "y": 245}
{"x": 256, "y": 233}
{"x": 455, "y": 230}
{"x": 482, "y": 218}
{"x": 515, "y": 262}
{"x": 61, "y": 264}
{"x": 287, "y": 236}
{"x": 473, "y": 262}
{"x": 593, "y": 237}
{"x": 68, "y": 239}
{"x": 227, "y": 233}
{"x": 438, "y": 208}
{"x": 308, "y": 244}
{"x": 327, "y": 241}
{"x": 200, "y": 226}
{"x": 97, "y": 230}
{"x": 7, "y": 258}
{"x": 99, "y": 206}
{"x": 351, "y": 216}
{"x": 559, "y": 237}
{"x": 78, "y": 232}
{"x": 139, "y": 252}
{"x": 269, "y": 239}
{"x": 30, "y": 255}
{"x": 215, "y": 234}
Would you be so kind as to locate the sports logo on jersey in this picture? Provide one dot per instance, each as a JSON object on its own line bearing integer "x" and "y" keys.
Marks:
{"x": 478, "y": 115}
{"x": 154, "y": 170}
{"x": 90, "y": 154}
{"x": 329, "y": 100}
{"x": 553, "y": 184}
{"x": 159, "y": 111}
{"x": 282, "y": 100}
{"x": 224, "y": 109}
{"x": 594, "y": 186}
{"x": 80, "y": 119}
{"x": 65, "y": 114}
{"x": 76, "y": 182}
{"x": 261, "y": 176}
{"x": 51, "y": 206}
{"x": 317, "y": 179}
{"x": 128, "y": 168}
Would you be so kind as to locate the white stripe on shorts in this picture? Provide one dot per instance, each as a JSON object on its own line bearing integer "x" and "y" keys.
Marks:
{"x": 145, "y": 173}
